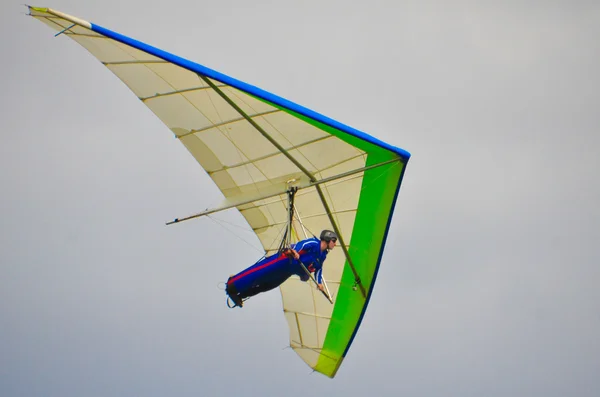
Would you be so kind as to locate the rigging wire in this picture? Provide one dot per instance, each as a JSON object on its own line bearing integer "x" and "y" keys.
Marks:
{"x": 218, "y": 222}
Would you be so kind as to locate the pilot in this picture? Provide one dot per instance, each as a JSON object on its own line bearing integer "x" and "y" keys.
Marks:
{"x": 272, "y": 271}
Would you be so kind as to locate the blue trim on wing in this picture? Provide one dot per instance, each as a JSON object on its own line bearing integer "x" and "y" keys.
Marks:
{"x": 194, "y": 67}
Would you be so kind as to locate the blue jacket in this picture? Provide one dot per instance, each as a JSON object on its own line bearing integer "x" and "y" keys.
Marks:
{"x": 311, "y": 256}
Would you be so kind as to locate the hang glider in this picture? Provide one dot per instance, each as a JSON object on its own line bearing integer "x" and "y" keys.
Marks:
{"x": 256, "y": 146}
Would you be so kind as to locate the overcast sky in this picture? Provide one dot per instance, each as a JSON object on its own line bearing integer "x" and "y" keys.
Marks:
{"x": 489, "y": 285}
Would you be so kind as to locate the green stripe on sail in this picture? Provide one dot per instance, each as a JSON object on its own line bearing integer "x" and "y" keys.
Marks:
{"x": 368, "y": 147}
{"x": 38, "y": 9}
{"x": 378, "y": 190}
{"x": 374, "y": 210}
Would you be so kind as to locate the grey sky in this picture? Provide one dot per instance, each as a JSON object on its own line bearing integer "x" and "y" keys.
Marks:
{"x": 489, "y": 282}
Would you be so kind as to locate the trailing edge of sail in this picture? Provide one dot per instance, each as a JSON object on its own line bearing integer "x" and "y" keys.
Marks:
{"x": 255, "y": 144}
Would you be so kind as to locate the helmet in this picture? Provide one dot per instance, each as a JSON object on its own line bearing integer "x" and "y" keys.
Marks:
{"x": 328, "y": 235}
